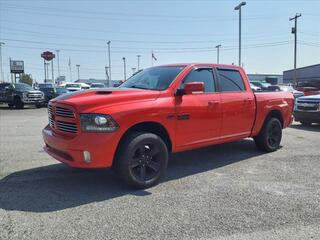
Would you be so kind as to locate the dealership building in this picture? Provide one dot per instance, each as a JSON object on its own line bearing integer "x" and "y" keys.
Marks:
{"x": 270, "y": 78}
{"x": 308, "y": 76}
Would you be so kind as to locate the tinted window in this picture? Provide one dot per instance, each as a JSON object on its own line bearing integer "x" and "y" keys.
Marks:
{"x": 2, "y": 86}
{"x": 154, "y": 78}
{"x": 230, "y": 80}
{"x": 204, "y": 75}
{"x": 22, "y": 87}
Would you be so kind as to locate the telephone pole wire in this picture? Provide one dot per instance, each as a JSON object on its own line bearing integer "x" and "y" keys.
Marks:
{"x": 294, "y": 31}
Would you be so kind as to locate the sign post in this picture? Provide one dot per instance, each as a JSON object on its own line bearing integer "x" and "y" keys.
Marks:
{"x": 48, "y": 56}
{"x": 16, "y": 68}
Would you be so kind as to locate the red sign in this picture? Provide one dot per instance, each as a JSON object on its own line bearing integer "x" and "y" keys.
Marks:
{"x": 48, "y": 55}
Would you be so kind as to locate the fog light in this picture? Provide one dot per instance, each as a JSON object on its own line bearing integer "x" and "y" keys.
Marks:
{"x": 86, "y": 156}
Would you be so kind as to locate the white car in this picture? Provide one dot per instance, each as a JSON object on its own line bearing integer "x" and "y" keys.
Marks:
{"x": 72, "y": 87}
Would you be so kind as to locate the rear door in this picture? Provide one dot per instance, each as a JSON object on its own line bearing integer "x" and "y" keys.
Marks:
{"x": 198, "y": 116}
{"x": 237, "y": 103}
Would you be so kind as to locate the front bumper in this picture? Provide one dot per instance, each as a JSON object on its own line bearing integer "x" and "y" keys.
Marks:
{"x": 311, "y": 117}
{"x": 33, "y": 101}
{"x": 69, "y": 150}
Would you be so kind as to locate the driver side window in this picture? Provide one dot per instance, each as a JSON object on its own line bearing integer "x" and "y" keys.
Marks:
{"x": 204, "y": 75}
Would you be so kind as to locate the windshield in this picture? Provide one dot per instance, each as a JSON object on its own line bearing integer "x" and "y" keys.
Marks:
{"x": 45, "y": 85}
{"x": 73, "y": 86}
{"x": 154, "y": 78}
{"x": 22, "y": 86}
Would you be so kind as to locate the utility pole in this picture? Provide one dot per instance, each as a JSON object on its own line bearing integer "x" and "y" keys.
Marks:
{"x": 58, "y": 59}
{"x": 78, "y": 66}
{"x": 138, "y": 57}
{"x": 239, "y": 8}
{"x": 218, "y": 47}
{"x": 294, "y": 31}
{"x": 124, "y": 69}
{"x": 1, "y": 71}
{"x": 109, "y": 56}
{"x": 107, "y": 75}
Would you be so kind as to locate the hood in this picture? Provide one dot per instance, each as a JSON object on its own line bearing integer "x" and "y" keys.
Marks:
{"x": 90, "y": 100}
{"x": 311, "y": 97}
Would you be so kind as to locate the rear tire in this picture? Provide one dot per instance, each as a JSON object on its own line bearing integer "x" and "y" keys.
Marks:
{"x": 18, "y": 103}
{"x": 141, "y": 159}
{"x": 270, "y": 135}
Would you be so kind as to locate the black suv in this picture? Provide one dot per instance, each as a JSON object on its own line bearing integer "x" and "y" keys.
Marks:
{"x": 20, "y": 94}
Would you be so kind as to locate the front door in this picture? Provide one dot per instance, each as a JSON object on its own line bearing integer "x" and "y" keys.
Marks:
{"x": 198, "y": 116}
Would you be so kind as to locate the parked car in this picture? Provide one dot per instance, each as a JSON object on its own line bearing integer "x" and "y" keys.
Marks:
{"x": 287, "y": 88}
{"x": 160, "y": 110}
{"x": 73, "y": 86}
{"x": 307, "y": 91}
{"x": 307, "y": 109}
{"x": 20, "y": 94}
{"x": 97, "y": 85}
{"x": 255, "y": 88}
{"x": 264, "y": 86}
{"x": 48, "y": 89}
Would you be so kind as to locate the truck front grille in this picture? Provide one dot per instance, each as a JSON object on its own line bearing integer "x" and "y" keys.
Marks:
{"x": 67, "y": 126}
{"x": 64, "y": 112}
{"x": 308, "y": 105}
{"x": 62, "y": 119}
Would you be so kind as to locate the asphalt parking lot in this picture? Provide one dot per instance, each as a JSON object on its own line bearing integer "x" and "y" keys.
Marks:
{"x": 230, "y": 191}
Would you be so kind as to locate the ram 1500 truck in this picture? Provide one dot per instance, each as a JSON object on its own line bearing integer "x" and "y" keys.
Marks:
{"x": 162, "y": 110}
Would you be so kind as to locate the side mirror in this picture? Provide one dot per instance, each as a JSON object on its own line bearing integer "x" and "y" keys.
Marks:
{"x": 194, "y": 87}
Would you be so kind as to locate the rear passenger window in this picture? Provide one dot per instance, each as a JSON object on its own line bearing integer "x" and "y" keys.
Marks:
{"x": 230, "y": 80}
{"x": 204, "y": 75}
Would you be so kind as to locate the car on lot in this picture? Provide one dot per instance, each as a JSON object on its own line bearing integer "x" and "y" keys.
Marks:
{"x": 162, "y": 110}
{"x": 264, "y": 86}
{"x": 308, "y": 91}
{"x": 307, "y": 109}
{"x": 97, "y": 85}
{"x": 20, "y": 94}
{"x": 72, "y": 87}
{"x": 51, "y": 91}
{"x": 288, "y": 88}
{"x": 255, "y": 88}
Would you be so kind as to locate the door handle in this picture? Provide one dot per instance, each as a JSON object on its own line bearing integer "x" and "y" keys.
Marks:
{"x": 213, "y": 102}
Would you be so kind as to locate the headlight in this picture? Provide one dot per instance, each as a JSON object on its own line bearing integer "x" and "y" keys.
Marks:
{"x": 98, "y": 123}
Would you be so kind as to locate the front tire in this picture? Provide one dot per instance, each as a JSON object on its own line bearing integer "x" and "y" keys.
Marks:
{"x": 141, "y": 159}
{"x": 18, "y": 103}
{"x": 270, "y": 135}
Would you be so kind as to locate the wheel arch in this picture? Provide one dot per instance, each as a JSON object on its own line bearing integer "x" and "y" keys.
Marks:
{"x": 151, "y": 127}
{"x": 275, "y": 113}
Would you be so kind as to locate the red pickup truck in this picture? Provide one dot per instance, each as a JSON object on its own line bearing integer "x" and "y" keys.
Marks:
{"x": 162, "y": 110}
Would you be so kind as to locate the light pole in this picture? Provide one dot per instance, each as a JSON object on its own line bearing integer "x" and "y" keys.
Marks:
{"x": 78, "y": 67}
{"x": 109, "y": 56}
{"x": 1, "y": 71}
{"x": 107, "y": 75}
{"x": 124, "y": 69}
{"x": 239, "y": 8}
{"x": 295, "y": 32}
{"x": 133, "y": 70}
{"x": 218, "y": 47}
{"x": 138, "y": 57}
{"x": 58, "y": 62}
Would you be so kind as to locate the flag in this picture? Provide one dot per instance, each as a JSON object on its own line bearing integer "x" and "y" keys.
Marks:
{"x": 154, "y": 57}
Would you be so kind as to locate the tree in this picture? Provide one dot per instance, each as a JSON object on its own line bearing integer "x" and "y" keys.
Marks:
{"x": 26, "y": 78}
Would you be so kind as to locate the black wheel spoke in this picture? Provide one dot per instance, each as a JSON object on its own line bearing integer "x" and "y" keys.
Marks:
{"x": 153, "y": 165}
{"x": 134, "y": 162}
{"x": 143, "y": 172}
{"x": 154, "y": 151}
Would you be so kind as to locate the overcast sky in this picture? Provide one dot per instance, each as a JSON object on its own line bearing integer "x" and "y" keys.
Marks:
{"x": 177, "y": 31}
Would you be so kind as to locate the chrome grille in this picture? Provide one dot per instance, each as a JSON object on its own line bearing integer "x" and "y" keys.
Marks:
{"x": 67, "y": 126}
{"x": 64, "y": 112}
{"x": 51, "y": 116}
{"x": 308, "y": 105}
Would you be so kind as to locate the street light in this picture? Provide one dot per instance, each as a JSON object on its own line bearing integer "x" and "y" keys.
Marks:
{"x": 138, "y": 57}
{"x": 218, "y": 47}
{"x": 133, "y": 70}
{"x": 78, "y": 66}
{"x": 239, "y": 8}
{"x": 124, "y": 69}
